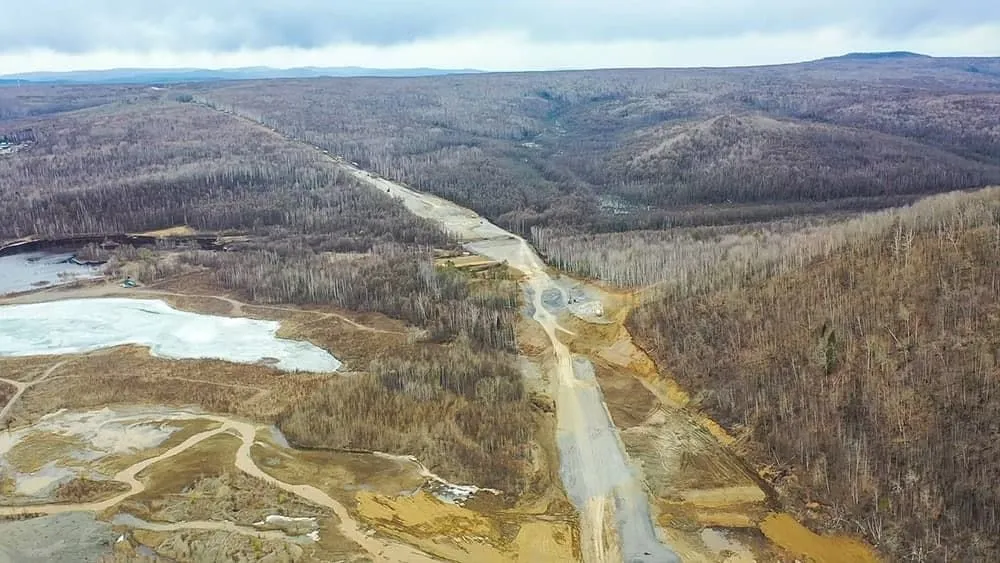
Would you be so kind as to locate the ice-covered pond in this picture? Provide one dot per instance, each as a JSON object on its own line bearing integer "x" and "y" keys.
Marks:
{"x": 82, "y": 325}
{"x": 31, "y": 270}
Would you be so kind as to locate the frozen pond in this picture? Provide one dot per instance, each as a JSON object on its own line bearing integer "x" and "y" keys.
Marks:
{"x": 82, "y": 325}
{"x": 31, "y": 270}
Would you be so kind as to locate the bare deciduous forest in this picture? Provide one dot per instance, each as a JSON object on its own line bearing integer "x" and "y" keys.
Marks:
{"x": 865, "y": 376}
{"x": 620, "y": 150}
{"x": 316, "y": 237}
{"x": 152, "y": 165}
{"x": 460, "y": 411}
{"x": 31, "y": 101}
{"x": 855, "y": 354}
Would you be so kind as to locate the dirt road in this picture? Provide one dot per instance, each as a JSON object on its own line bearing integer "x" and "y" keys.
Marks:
{"x": 379, "y": 549}
{"x": 595, "y": 470}
{"x": 23, "y": 386}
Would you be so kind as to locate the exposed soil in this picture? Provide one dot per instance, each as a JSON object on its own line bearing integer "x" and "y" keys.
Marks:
{"x": 613, "y": 507}
{"x": 688, "y": 463}
{"x": 651, "y": 478}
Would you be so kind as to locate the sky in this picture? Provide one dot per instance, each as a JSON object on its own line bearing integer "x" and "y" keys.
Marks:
{"x": 59, "y": 35}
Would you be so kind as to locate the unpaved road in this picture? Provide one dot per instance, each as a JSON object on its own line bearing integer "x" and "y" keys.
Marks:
{"x": 379, "y": 549}
{"x": 614, "y": 508}
{"x": 23, "y": 386}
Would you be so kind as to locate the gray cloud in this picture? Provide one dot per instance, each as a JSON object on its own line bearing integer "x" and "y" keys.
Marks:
{"x": 74, "y": 26}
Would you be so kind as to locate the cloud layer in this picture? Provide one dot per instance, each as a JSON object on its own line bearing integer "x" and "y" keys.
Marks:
{"x": 71, "y": 28}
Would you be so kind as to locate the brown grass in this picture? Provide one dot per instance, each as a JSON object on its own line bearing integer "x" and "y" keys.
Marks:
{"x": 36, "y": 450}
{"x": 24, "y": 368}
{"x": 208, "y": 459}
{"x": 83, "y": 490}
{"x": 117, "y": 462}
{"x": 6, "y": 392}
{"x": 337, "y": 473}
{"x": 129, "y": 375}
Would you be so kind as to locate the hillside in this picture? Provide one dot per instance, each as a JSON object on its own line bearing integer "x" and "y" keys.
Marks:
{"x": 866, "y": 381}
{"x": 613, "y": 150}
{"x": 18, "y": 102}
{"x": 754, "y": 158}
{"x": 312, "y": 236}
{"x": 624, "y": 149}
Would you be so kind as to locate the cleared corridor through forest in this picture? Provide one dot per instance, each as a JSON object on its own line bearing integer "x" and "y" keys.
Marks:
{"x": 614, "y": 508}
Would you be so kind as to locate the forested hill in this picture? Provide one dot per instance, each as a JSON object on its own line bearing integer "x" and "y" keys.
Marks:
{"x": 626, "y": 149}
{"x": 865, "y": 379}
{"x": 612, "y": 150}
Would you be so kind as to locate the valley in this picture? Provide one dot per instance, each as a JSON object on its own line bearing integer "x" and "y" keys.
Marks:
{"x": 714, "y": 315}
{"x": 629, "y": 508}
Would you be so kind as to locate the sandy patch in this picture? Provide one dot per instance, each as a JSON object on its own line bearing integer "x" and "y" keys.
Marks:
{"x": 42, "y": 483}
{"x": 787, "y": 533}
{"x": 552, "y": 542}
{"x": 724, "y": 496}
{"x": 178, "y": 231}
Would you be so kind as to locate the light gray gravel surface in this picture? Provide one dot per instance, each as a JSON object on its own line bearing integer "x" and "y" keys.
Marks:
{"x": 73, "y": 537}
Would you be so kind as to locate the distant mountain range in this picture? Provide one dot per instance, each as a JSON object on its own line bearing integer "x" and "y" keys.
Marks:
{"x": 876, "y": 56}
{"x": 180, "y": 75}
{"x": 174, "y": 75}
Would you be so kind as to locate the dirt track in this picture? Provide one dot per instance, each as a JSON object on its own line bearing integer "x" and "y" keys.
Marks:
{"x": 23, "y": 386}
{"x": 379, "y": 549}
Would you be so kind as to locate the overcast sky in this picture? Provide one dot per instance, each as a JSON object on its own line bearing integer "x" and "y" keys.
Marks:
{"x": 485, "y": 34}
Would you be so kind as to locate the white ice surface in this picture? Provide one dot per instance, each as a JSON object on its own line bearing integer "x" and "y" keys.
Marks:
{"x": 82, "y": 325}
{"x": 279, "y": 520}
